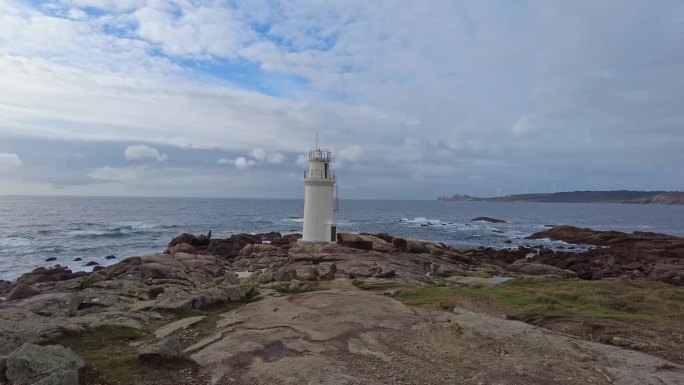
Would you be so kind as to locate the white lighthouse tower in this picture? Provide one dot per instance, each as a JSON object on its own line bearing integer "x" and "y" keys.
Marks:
{"x": 320, "y": 201}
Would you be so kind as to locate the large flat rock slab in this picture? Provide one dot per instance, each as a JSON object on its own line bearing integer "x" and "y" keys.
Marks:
{"x": 359, "y": 337}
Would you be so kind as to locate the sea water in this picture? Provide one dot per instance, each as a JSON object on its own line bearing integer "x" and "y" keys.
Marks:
{"x": 35, "y": 228}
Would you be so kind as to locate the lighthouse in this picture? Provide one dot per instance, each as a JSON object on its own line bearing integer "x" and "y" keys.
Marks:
{"x": 320, "y": 201}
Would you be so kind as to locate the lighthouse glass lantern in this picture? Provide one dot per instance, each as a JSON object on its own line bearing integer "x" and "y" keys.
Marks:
{"x": 319, "y": 199}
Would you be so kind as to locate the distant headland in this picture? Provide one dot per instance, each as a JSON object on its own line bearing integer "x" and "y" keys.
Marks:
{"x": 618, "y": 196}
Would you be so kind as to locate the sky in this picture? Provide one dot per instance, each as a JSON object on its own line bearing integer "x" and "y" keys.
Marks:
{"x": 416, "y": 99}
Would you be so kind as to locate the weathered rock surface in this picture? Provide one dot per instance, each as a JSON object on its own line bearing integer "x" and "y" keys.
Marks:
{"x": 169, "y": 348}
{"x": 525, "y": 267}
{"x": 197, "y": 299}
{"x": 45, "y": 365}
{"x": 22, "y": 291}
{"x": 355, "y": 337}
{"x": 177, "y": 325}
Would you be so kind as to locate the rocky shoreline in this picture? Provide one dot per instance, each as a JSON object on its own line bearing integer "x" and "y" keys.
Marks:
{"x": 263, "y": 309}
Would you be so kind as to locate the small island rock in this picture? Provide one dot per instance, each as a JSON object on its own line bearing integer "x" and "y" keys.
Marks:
{"x": 487, "y": 219}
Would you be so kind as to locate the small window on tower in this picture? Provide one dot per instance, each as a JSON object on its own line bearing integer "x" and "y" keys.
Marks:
{"x": 333, "y": 233}
{"x": 325, "y": 166}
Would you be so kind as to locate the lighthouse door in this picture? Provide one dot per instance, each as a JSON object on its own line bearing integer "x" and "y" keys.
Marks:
{"x": 325, "y": 173}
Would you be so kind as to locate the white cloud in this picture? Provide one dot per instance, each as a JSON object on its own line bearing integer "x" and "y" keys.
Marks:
{"x": 77, "y": 14}
{"x": 351, "y": 154}
{"x": 302, "y": 160}
{"x": 118, "y": 174}
{"x": 243, "y": 163}
{"x": 525, "y": 125}
{"x": 9, "y": 161}
{"x": 186, "y": 30}
{"x": 258, "y": 154}
{"x": 261, "y": 156}
{"x": 142, "y": 151}
{"x": 511, "y": 84}
{"x": 275, "y": 157}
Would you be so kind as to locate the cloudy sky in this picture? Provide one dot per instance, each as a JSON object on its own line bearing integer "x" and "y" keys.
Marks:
{"x": 415, "y": 98}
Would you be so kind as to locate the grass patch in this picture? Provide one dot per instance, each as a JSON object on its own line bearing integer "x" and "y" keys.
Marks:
{"x": 443, "y": 296}
{"x": 112, "y": 360}
{"x": 542, "y": 297}
{"x": 368, "y": 285}
{"x": 107, "y": 349}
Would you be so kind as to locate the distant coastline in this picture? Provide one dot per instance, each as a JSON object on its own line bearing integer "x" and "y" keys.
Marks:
{"x": 619, "y": 196}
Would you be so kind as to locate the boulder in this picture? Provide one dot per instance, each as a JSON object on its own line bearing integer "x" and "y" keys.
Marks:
{"x": 22, "y": 291}
{"x": 169, "y": 348}
{"x": 441, "y": 270}
{"x": 265, "y": 277}
{"x": 385, "y": 237}
{"x": 326, "y": 270}
{"x": 50, "y": 259}
{"x": 93, "y": 278}
{"x": 259, "y": 248}
{"x": 110, "y": 257}
{"x": 201, "y": 240}
{"x": 46, "y": 304}
{"x": 415, "y": 246}
{"x": 52, "y": 274}
{"x": 92, "y": 263}
{"x": 539, "y": 269}
{"x": 162, "y": 271}
{"x": 308, "y": 273}
{"x": 399, "y": 243}
{"x": 127, "y": 265}
{"x": 246, "y": 251}
{"x": 44, "y": 365}
{"x": 409, "y": 245}
{"x": 354, "y": 241}
{"x": 182, "y": 248}
{"x": 285, "y": 275}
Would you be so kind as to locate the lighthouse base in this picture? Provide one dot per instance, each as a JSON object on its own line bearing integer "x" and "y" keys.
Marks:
{"x": 302, "y": 242}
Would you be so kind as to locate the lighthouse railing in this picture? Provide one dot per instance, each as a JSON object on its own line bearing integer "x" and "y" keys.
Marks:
{"x": 319, "y": 154}
{"x": 319, "y": 174}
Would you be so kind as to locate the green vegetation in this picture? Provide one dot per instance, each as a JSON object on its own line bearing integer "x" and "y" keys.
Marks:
{"x": 107, "y": 349}
{"x": 540, "y": 297}
{"x": 445, "y": 297}
{"x": 368, "y": 285}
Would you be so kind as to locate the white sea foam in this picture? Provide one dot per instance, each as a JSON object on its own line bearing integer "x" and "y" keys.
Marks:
{"x": 14, "y": 241}
{"x": 293, "y": 219}
{"x": 422, "y": 221}
{"x": 78, "y": 233}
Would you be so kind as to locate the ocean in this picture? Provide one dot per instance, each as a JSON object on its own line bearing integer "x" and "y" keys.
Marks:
{"x": 91, "y": 228}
